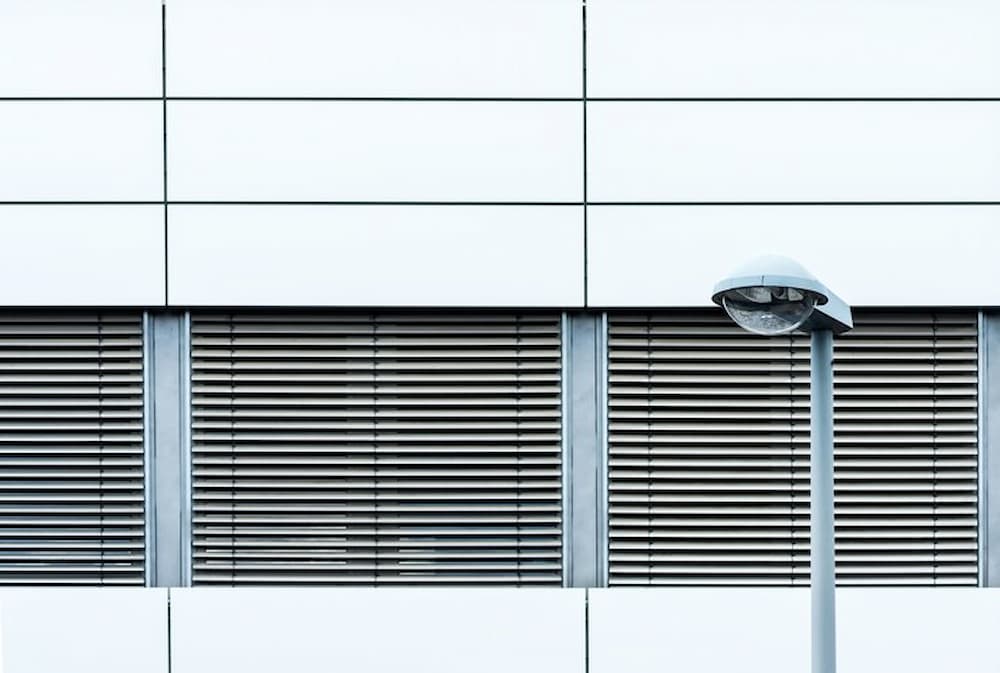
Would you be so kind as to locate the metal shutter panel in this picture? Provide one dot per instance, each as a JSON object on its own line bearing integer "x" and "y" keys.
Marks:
{"x": 377, "y": 449}
{"x": 709, "y": 451}
{"x": 71, "y": 449}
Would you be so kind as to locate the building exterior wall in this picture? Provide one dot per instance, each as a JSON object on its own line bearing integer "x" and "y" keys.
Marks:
{"x": 575, "y": 157}
{"x": 613, "y": 152}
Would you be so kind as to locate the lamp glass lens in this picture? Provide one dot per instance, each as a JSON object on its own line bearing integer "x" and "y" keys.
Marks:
{"x": 769, "y": 310}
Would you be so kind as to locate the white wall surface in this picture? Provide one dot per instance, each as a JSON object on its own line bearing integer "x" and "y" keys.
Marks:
{"x": 81, "y": 151}
{"x": 376, "y": 255}
{"x": 699, "y": 630}
{"x": 793, "y": 151}
{"x": 446, "y": 630}
{"x": 375, "y": 151}
{"x": 398, "y": 48}
{"x": 870, "y": 255}
{"x": 377, "y": 630}
{"x": 84, "y": 630}
{"x": 925, "y": 630}
{"x": 62, "y": 255}
{"x": 793, "y": 48}
{"x": 73, "y": 48}
{"x": 505, "y": 147}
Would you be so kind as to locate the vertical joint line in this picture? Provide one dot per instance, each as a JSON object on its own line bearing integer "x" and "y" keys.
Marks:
{"x": 170, "y": 636}
{"x": 586, "y": 226}
{"x": 163, "y": 93}
{"x": 586, "y": 630}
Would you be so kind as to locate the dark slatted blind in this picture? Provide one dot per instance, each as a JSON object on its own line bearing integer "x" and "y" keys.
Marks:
{"x": 71, "y": 449}
{"x": 394, "y": 449}
{"x": 709, "y": 451}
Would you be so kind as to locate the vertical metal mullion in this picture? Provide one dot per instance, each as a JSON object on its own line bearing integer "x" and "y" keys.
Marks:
{"x": 583, "y": 442}
{"x": 185, "y": 364}
{"x": 149, "y": 453}
{"x": 989, "y": 448}
{"x": 603, "y": 467}
{"x": 166, "y": 352}
{"x": 567, "y": 454}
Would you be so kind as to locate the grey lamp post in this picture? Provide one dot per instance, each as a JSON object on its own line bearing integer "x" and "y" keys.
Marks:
{"x": 775, "y": 295}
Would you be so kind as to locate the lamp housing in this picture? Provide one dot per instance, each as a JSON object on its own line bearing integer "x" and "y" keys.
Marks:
{"x": 774, "y": 295}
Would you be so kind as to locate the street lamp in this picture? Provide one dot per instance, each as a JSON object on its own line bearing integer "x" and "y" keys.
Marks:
{"x": 775, "y": 295}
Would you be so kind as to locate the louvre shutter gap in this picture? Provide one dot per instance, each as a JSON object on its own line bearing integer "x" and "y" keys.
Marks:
{"x": 233, "y": 540}
{"x": 517, "y": 448}
{"x": 649, "y": 448}
{"x": 934, "y": 445}
{"x": 376, "y": 481}
{"x": 100, "y": 440}
{"x": 791, "y": 456}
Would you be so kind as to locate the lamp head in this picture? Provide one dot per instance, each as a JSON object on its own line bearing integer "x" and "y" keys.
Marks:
{"x": 774, "y": 295}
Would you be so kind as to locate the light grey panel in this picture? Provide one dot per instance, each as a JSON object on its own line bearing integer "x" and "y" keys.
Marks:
{"x": 874, "y": 255}
{"x": 94, "y": 150}
{"x": 81, "y": 255}
{"x": 793, "y": 48}
{"x": 990, "y": 452}
{"x": 793, "y": 151}
{"x": 586, "y": 547}
{"x": 168, "y": 356}
{"x": 391, "y": 48}
{"x": 85, "y": 630}
{"x": 499, "y": 151}
{"x": 365, "y": 630}
{"x": 74, "y": 48}
{"x": 350, "y": 255}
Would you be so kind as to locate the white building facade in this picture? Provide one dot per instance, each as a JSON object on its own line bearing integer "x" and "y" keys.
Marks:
{"x": 385, "y": 294}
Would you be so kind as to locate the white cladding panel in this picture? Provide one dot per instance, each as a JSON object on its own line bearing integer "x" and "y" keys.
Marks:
{"x": 870, "y": 255}
{"x": 367, "y": 631}
{"x": 73, "y": 48}
{"x": 376, "y": 255}
{"x": 767, "y": 630}
{"x": 699, "y": 630}
{"x": 62, "y": 255}
{"x": 793, "y": 48}
{"x": 396, "y": 48}
{"x": 84, "y": 630}
{"x": 375, "y": 151}
{"x": 81, "y": 150}
{"x": 793, "y": 151}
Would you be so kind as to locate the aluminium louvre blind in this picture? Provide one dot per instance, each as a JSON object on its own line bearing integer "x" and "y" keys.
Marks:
{"x": 377, "y": 449}
{"x": 709, "y": 451}
{"x": 71, "y": 449}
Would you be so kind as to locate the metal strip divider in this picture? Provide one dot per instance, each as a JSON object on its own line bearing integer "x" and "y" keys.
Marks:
{"x": 603, "y": 467}
{"x": 187, "y": 452}
{"x": 989, "y": 448}
{"x": 149, "y": 453}
{"x": 567, "y": 454}
{"x": 584, "y": 465}
{"x": 167, "y": 355}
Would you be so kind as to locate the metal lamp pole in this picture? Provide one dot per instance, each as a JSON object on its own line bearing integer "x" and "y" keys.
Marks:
{"x": 821, "y": 528}
{"x": 774, "y": 295}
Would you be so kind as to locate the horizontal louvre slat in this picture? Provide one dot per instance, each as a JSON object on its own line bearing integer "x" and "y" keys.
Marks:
{"x": 709, "y": 451}
{"x": 377, "y": 449}
{"x": 71, "y": 449}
